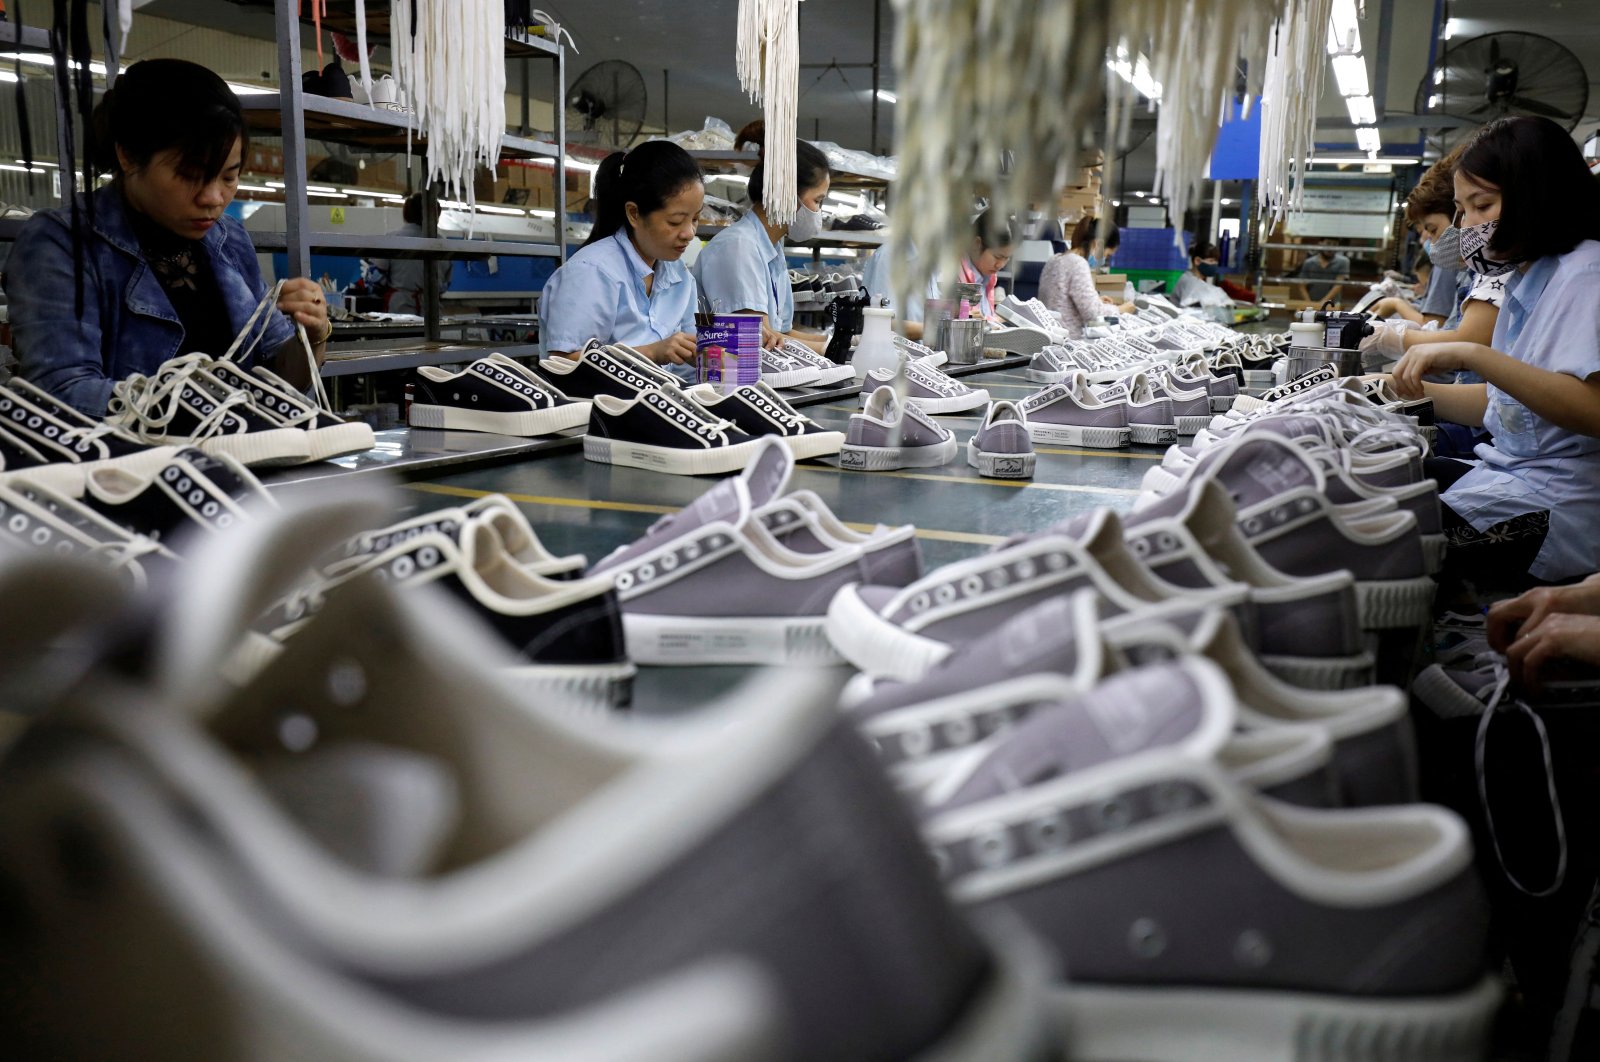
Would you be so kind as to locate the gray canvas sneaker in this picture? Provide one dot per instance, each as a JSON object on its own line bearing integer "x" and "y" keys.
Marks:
{"x": 1292, "y": 928}
{"x": 711, "y": 585}
{"x": 1070, "y": 414}
{"x": 926, "y": 387}
{"x": 829, "y": 374}
{"x": 1194, "y": 371}
{"x": 889, "y": 433}
{"x": 573, "y": 840}
{"x": 802, "y": 521}
{"x": 1286, "y": 515}
{"x": 780, "y": 369}
{"x": 1050, "y": 365}
{"x": 1151, "y": 419}
{"x": 1001, "y": 447}
{"x": 1373, "y": 747}
{"x": 1308, "y": 629}
{"x": 1191, "y": 406}
{"x": 900, "y": 634}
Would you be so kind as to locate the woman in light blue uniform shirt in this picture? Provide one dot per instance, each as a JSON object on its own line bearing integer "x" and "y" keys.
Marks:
{"x": 626, "y": 283}
{"x": 743, "y": 268}
{"x": 1529, "y": 507}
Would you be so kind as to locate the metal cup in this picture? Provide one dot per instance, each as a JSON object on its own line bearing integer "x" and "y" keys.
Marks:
{"x": 964, "y": 341}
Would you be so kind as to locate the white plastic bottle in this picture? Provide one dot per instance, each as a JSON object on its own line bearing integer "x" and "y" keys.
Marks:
{"x": 876, "y": 350}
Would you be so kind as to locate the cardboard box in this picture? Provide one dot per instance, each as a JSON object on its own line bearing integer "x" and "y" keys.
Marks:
{"x": 1111, "y": 283}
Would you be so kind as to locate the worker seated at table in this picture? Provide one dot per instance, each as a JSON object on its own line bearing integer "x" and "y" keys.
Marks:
{"x": 159, "y": 270}
{"x": 626, "y": 284}
{"x": 404, "y": 276}
{"x": 1198, "y": 285}
{"x": 743, "y": 268}
{"x": 1324, "y": 264}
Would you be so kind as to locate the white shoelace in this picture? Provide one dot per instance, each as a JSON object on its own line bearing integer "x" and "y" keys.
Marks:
{"x": 234, "y": 353}
{"x": 1494, "y": 705}
{"x": 152, "y": 402}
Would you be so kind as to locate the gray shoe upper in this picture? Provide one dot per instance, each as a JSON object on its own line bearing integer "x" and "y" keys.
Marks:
{"x": 1004, "y": 430}
{"x": 886, "y": 422}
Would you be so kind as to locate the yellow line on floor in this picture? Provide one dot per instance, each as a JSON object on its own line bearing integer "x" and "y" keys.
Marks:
{"x": 933, "y": 534}
{"x": 1016, "y": 484}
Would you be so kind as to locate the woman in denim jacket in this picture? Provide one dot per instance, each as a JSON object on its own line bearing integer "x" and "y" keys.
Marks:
{"x": 162, "y": 271}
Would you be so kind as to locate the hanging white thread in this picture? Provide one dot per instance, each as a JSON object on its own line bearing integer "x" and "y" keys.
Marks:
{"x": 453, "y": 76}
{"x": 1295, "y": 68}
{"x": 767, "y": 58}
{"x": 361, "y": 48}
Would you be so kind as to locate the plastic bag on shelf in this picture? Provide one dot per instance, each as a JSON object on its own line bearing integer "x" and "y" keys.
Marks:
{"x": 715, "y": 135}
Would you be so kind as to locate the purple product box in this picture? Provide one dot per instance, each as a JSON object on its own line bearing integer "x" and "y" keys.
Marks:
{"x": 728, "y": 351}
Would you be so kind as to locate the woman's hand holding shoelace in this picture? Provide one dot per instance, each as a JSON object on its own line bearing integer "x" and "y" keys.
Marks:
{"x": 1560, "y": 636}
{"x": 1521, "y": 616}
{"x": 676, "y": 349}
{"x": 302, "y": 299}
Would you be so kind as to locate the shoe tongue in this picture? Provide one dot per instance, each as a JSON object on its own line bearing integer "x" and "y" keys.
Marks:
{"x": 1128, "y": 713}
{"x": 384, "y": 811}
{"x": 1171, "y": 507}
{"x": 1261, "y": 467}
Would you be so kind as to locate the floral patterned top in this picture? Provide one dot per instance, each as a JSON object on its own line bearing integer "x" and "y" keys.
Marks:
{"x": 1067, "y": 287}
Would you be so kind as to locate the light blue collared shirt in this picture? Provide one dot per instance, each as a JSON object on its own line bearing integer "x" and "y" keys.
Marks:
{"x": 599, "y": 294}
{"x": 1551, "y": 319}
{"x": 742, "y": 269}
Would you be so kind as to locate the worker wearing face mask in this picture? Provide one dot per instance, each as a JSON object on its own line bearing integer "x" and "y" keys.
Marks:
{"x": 743, "y": 269}
{"x": 1197, "y": 287}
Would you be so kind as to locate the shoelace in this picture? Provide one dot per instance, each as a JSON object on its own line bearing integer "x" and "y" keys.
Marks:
{"x": 1493, "y": 706}
{"x": 141, "y": 396}
{"x": 121, "y": 555}
{"x": 705, "y": 421}
{"x": 270, "y": 299}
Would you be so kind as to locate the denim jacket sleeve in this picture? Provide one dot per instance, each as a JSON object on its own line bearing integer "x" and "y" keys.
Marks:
{"x": 57, "y": 347}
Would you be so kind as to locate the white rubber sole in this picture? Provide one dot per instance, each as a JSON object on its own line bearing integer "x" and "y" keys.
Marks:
{"x": 1392, "y": 603}
{"x": 814, "y": 444}
{"x": 1193, "y": 424}
{"x": 798, "y": 378}
{"x": 718, "y": 461}
{"x": 64, "y": 479}
{"x": 885, "y": 458}
{"x": 577, "y": 687}
{"x": 1043, "y": 377}
{"x": 1000, "y": 466}
{"x": 1324, "y": 672}
{"x": 839, "y": 374}
{"x": 340, "y": 439}
{"x": 683, "y": 640}
{"x": 1104, "y": 1024}
{"x": 523, "y": 423}
{"x": 1079, "y": 435}
{"x": 876, "y": 646}
{"x": 280, "y": 446}
{"x": 1154, "y": 434}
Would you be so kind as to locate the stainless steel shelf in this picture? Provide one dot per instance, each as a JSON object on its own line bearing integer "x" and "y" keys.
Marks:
{"x": 358, "y": 359}
{"x": 408, "y": 246}
{"x": 842, "y": 178}
{"x": 32, "y": 37}
{"x": 829, "y": 238}
{"x": 361, "y": 125}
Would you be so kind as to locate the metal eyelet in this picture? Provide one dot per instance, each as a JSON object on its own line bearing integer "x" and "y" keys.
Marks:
{"x": 1146, "y": 939}
{"x": 1111, "y": 815}
{"x": 1049, "y": 832}
{"x": 993, "y": 847}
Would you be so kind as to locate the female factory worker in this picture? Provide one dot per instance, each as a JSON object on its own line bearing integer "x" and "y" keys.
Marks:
{"x": 1066, "y": 284}
{"x": 1429, "y": 208}
{"x": 743, "y": 269}
{"x": 625, "y": 284}
{"x": 163, "y": 271}
{"x": 1531, "y": 502}
{"x": 993, "y": 240}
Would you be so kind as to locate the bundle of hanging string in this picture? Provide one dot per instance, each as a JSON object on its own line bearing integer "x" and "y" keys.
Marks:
{"x": 996, "y": 99}
{"x": 449, "y": 59}
{"x": 768, "y": 61}
{"x": 1295, "y": 69}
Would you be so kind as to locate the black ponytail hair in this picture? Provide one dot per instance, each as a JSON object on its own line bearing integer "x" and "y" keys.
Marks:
{"x": 811, "y": 165}
{"x": 161, "y": 105}
{"x": 647, "y": 177}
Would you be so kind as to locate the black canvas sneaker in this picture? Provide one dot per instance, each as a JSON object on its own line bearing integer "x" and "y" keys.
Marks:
{"x": 34, "y": 517}
{"x": 665, "y": 430}
{"x": 758, "y": 410}
{"x": 521, "y": 543}
{"x": 178, "y": 406}
{"x": 602, "y": 370}
{"x": 327, "y": 435}
{"x": 194, "y": 492}
{"x": 42, "y": 431}
{"x": 567, "y": 633}
{"x": 489, "y": 395}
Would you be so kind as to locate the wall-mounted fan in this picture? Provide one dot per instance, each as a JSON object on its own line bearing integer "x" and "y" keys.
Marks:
{"x": 605, "y": 105}
{"x": 1483, "y": 78}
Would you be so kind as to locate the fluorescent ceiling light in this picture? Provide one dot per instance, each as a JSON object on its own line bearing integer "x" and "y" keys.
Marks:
{"x": 1344, "y": 32}
{"x": 329, "y": 194}
{"x": 1361, "y": 112}
{"x": 1135, "y": 72}
{"x": 1227, "y": 202}
{"x": 736, "y": 178}
{"x": 1450, "y": 27}
{"x": 1368, "y": 139}
{"x": 275, "y": 184}
{"x": 1350, "y": 71}
{"x": 536, "y": 212}
{"x": 1438, "y": 76}
{"x": 52, "y": 165}
{"x": 43, "y": 59}
{"x": 513, "y": 211}
{"x": 240, "y": 89}
{"x": 1140, "y": 195}
{"x": 1435, "y": 101}
{"x": 1116, "y": 202}
{"x": 255, "y": 188}
{"x": 322, "y": 188}
{"x": 888, "y": 97}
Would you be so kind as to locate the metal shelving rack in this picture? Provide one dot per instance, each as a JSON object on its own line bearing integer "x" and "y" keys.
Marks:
{"x": 292, "y": 113}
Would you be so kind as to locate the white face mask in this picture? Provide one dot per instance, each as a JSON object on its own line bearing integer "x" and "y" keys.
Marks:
{"x": 806, "y": 225}
{"x": 1475, "y": 250}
